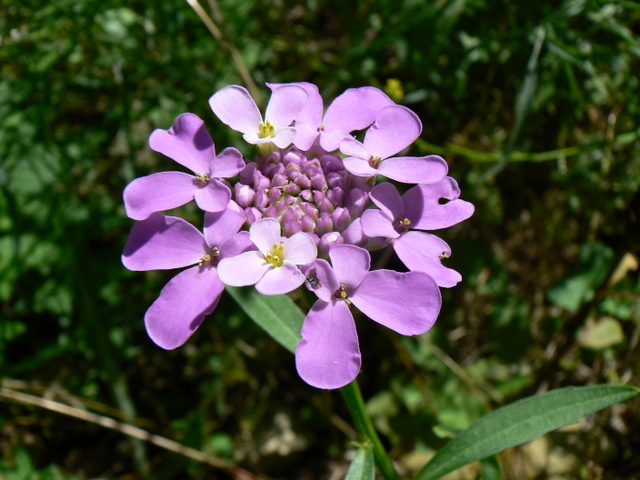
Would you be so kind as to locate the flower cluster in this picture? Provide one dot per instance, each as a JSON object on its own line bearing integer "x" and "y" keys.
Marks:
{"x": 305, "y": 211}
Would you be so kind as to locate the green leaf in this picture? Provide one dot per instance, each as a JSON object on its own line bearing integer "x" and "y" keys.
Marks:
{"x": 362, "y": 467}
{"x": 277, "y": 314}
{"x": 522, "y": 421}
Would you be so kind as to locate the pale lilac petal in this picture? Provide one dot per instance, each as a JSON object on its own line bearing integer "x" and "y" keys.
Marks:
{"x": 325, "y": 282}
{"x": 236, "y": 245}
{"x": 376, "y": 223}
{"x": 423, "y": 252}
{"x": 423, "y": 208}
{"x": 265, "y": 234}
{"x": 227, "y": 164}
{"x": 234, "y": 107}
{"x": 161, "y": 242}
{"x": 328, "y": 356}
{"x": 285, "y": 104}
{"x": 242, "y": 270}
{"x": 395, "y": 128}
{"x": 429, "y": 169}
{"x": 355, "y": 109}
{"x": 330, "y": 141}
{"x": 280, "y": 280}
{"x": 283, "y": 137}
{"x": 300, "y": 249}
{"x": 353, "y": 233}
{"x": 311, "y": 114}
{"x": 407, "y": 302}
{"x": 353, "y": 148}
{"x": 359, "y": 167}
{"x": 306, "y": 134}
{"x": 221, "y": 226}
{"x": 187, "y": 142}
{"x": 157, "y": 192}
{"x": 213, "y": 197}
{"x": 386, "y": 197}
{"x": 182, "y": 306}
{"x": 350, "y": 263}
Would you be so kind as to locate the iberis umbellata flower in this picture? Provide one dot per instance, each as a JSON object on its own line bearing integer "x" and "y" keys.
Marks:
{"x": 304, "y": 211}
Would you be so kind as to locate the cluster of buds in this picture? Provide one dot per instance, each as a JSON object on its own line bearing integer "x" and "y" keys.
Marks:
{"x": 304, "y": 212}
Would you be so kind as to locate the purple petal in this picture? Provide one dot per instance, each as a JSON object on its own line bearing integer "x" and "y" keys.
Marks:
{"x": 187, "y": 142}
{"x": 350, "y": 263}
{"x": 213, "y": 197}
{"x": 283, "y": 137}
{"x": 353, "y": 148}
{"x": 386, "y": 197}
{"x": 242, "y": 270}
{"x": 330, "y": 141}
{"x": 234, "y": 107}
{"x": 311, "y": 114}
{"x": 182, "y": 306}
{"x": 306, "y": 134}
{"x": 161, "y": 242}
{"x": 236, "y": 245}
{"x": 395, "y": 128}
{"x": 359, "y": 167}
{"x": 221, "y": 226}
{"x": 265, "y": 234}
{"x": 157, "y": 192}
{"x": 423, "y": 252}
{"x": 300, "y": 249}
{"x": 407, "y": 302}
{"x": 328, "y": 356}
{"x": 353, "y": 233}
{"x": 376, "y": 223}
{"x": 228, "y": 163}
{"x": 325, "y": 283}
{"x": 429, "y": 169}
{"x": 355, "y": 109}
{"x": 280, "y": 280}
{"x": 285, "y": 104}
{"x": 422, "y": 205}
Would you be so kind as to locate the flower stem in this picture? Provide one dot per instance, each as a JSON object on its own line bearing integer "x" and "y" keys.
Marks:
{"x": 367, "y": 431}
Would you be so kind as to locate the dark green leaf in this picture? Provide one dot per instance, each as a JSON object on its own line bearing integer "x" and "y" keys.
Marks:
{"x": 522, "y": 421}
{"x": 362, "y": 467}
{"x": 277, "y": 314}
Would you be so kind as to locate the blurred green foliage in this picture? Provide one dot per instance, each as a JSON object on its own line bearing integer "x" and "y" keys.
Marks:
{"x": 534, "y": 104}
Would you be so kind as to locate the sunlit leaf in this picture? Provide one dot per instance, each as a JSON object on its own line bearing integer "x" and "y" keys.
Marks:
{"x": 522, "y": 421}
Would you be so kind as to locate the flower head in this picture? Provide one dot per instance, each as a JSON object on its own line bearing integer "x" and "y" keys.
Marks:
{"x": 299, "y": 214}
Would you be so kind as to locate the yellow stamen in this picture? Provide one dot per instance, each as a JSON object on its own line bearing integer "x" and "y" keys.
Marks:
{"x": 266, "y": 129}
{"x": 276, "y": 256}
{"x": 374, "y": 161}
{"x": 202, "y": 177}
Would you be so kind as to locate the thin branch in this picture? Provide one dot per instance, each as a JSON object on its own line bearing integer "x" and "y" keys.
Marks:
{"x": 236, "y": 58}
{"x": 128, "y": 430}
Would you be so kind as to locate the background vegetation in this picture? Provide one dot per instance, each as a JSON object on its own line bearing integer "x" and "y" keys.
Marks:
{"x": 534, "y": 104}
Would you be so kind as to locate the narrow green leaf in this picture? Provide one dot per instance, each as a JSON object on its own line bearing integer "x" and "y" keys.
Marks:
{"x": 522, "y": 421}
{"x": 490, "y": 469}
{"x": 277, "y": 314}
{"x": 362, "y": 467}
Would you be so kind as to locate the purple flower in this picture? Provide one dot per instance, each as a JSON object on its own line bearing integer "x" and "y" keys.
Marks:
{"x": 419, "y": 208}
{"x": 395, "y": 128}
{"x": 328, "y": 355}
{"x": 234, "y": 106}
{"x": 354, "y": 109}
{"x": 188, "y": 143}
{"x": 273, "y": 268}
{"x": 162, "y": 242}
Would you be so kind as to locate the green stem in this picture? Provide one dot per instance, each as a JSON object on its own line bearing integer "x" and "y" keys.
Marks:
{"x": 367, "y": 431}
